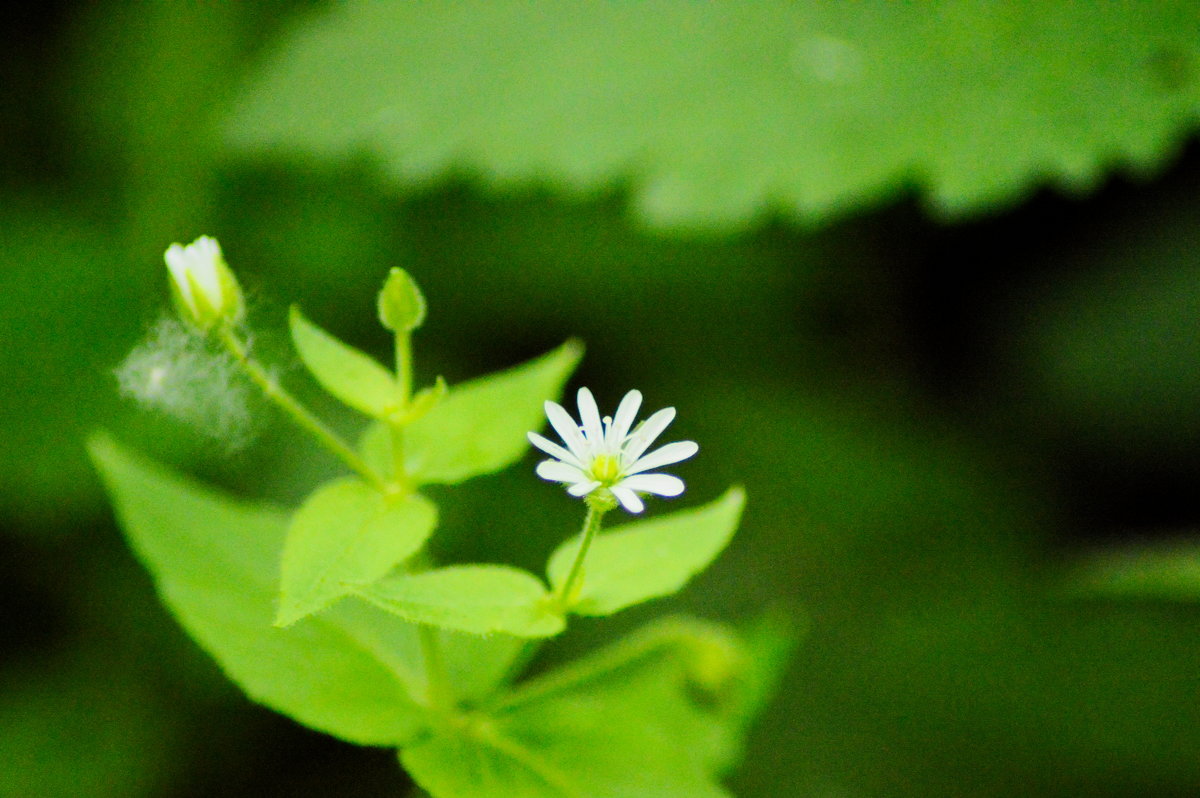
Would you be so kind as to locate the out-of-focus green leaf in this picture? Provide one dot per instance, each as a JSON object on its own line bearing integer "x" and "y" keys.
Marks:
{"x": 480, "y": 426}
{"x": 646, "y": 718}
{"x": 347, "y": 534}
{"x": 215, "y": 562}
{"x": 477, "y": 664}
{"x": 479, "y": 599}
{"x": 1163, "y": 571}
{"x": 352, "y": 376}
{"x": 719, "y": 111}
{"x": 648, "y": 559}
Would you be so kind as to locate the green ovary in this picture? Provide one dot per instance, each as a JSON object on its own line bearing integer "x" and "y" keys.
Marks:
{"x": 605, "y": 469}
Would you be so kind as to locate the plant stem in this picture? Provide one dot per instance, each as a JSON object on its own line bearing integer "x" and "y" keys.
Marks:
{"x": 591, "y": 525}
{"x": 404, "y": 367}
{"x": 437, "y": 685}
{"x": 301, "y": 415}
{"x": 403, "y": 395}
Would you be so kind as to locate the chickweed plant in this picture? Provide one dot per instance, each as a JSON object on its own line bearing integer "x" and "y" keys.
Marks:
{"x": 335, "y": 614}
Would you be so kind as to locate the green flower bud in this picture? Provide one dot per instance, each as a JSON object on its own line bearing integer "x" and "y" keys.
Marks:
{"x": 202, "y": 284}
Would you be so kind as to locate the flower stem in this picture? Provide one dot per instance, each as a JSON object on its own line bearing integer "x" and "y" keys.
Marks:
{"x": 591, "y": 525}
{"x": 437, "y": 685}
{"x": 301, "y": 415}
{"x": 404, "y": 367}
{"x": 403, "y": 395}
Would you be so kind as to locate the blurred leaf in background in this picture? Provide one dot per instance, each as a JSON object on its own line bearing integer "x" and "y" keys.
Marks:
{"x": 721, "y": 113}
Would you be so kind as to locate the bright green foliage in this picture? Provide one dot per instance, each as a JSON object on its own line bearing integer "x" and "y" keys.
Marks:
{"x": 215, "y": 563}
{"x": 480, "y": 426}
{"x": 1167, "y": 571}
{"x": 480, "y": 599}
{"x": 648, "y": 559}
{"x": 477, "y": 665}
{"x": 655, "y": 715}
{"x": 425, "y": 400}
{"x": 720, "y": 112}
{"x": 401, "y": 303}
{"x": 347, "y": 534}
{"x": 352, "y": 376}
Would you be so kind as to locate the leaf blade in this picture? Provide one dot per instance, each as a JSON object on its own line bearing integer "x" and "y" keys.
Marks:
{"x": 648, "y": 559}
{"x": 478, "y": 599}
{"x": 642, "y": 718}
{"x": 214, "y": 563}
{"x": 771, "y": 131}
{"x": 347, "y": 534}
{"x": 352, "y": 376}
{"x": 480, "y": 426}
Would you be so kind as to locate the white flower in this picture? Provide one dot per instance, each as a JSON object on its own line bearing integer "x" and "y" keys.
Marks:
{"x": 603, "y": 454}
{"x": 204, "y": 287}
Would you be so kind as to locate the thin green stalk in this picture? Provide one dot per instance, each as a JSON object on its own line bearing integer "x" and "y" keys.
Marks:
{"x": 301, "y": 415}
{"x": 403, "y": 395}
{"x": 404, "y": 369}
{"x": 591, "y": 525}
{"x": 438, "y": 693}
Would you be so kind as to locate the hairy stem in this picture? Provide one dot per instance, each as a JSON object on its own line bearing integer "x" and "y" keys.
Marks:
{"x": 300, "y": 414}
{"x": 591, "y": 525}
{"x": 438, "y": 690}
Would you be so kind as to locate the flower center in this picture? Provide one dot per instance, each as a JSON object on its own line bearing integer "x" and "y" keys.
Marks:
{"x": 605, "y": 469}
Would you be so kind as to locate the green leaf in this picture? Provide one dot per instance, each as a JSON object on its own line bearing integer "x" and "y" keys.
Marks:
{"x": 350, "y": 375}
{"x": 477, "y": 665}
{"x": 480, "y": 426}
{"x": 648, "y": 559}
{"x": 479, "y": 599}
{"x": 401, "y": 303}
{"x": 1168, "y": 571}
{"x": 643, "y": 718}
{"x": 214, "y": 561}
{"x": 719, "y": 114}
{"x": 347, "y": 534}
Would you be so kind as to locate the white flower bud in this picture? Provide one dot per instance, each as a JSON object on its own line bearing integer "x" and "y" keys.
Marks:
{"x": 205, "y": 290}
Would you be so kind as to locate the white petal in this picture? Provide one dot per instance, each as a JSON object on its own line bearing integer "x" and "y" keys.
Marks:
{"x": 583, "y": 488}
{"x": 671, "y": 453}
{"x": 645, "y": 434}
{"x": 661, "y": 484}
{"x": 589, "y": 414}
{"x": 628, "y": 499}
{"x": 626, "y": 412}
{"x": 177, "y": 264}
{"x": 556, "y": 471}
{"x": 553, "y": 449}
{"x": 567, "y": 429}
{"x": 205, "y": 251}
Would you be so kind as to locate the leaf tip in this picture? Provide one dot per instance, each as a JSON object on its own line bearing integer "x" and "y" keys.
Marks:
{"x": 572, "y": 349}
{"x": 734, "y": 498}
{"x": 99, "y": 444}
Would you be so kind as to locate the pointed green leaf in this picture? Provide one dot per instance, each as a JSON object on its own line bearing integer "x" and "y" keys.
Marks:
{"x": 640, "y": 719}
{"x": 350, "y": 375}
{"x": 480, "y": 599}
{"x": 648, "y": 559}
{"x": 347, "y": 534}
{"x": 425, "y": 400}
{"x": 215, "y": 563}
{"x": 401, "y": 303}
{"x": 480, "y": 426}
